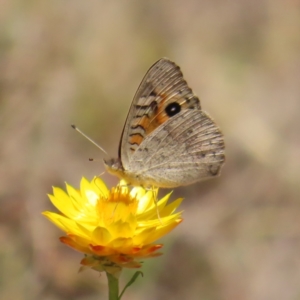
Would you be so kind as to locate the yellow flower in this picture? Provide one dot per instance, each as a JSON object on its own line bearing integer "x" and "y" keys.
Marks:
{"x": 116, "y": 228}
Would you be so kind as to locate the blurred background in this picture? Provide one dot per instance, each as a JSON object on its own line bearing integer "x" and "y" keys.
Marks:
{"x": 65, "y": 62}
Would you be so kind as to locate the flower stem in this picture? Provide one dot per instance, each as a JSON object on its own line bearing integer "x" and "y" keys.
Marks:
{"x": 113, "y": 287}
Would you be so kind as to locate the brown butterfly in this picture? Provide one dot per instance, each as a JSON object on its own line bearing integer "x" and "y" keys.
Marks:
{"x": 167, "y": 140}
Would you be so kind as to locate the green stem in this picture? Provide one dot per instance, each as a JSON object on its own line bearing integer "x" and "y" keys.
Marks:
{"x": 113, "y": 287}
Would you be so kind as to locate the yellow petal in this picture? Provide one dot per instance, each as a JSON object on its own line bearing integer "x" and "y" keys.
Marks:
{"x": 169, "y": 209}
{"x": 121, "y": 229}
{"x": 160, "y": 232}
{"x": 101, "y": 236}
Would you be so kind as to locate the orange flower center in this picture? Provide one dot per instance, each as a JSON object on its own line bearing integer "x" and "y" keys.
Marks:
{"x": 117, "y": 206}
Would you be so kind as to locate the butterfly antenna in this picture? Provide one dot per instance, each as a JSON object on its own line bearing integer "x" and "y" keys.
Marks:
{"x": 93, "y": 142}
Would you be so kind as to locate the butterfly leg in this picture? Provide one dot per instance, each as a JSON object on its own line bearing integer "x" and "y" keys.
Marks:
{"x": 154, "y": 196}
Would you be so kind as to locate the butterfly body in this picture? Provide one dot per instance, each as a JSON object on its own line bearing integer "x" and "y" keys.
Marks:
{"x": 167, "y": 140}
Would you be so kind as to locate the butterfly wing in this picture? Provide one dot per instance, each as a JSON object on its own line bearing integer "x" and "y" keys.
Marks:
{"x": 162, "y": 92}
{"x": 186, "y": 148}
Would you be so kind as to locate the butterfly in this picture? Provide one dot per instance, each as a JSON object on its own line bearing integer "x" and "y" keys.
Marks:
{"x": 167, "y": 140}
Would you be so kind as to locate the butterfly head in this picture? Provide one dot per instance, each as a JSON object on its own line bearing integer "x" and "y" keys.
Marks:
{"x": 113, "y": 163}
{"x": 114, "y": 166}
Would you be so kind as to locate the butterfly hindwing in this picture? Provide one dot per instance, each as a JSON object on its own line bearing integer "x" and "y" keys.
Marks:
{"x": 187, "y": 148}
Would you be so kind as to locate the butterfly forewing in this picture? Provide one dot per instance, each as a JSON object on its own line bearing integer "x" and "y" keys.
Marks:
{"x": 162, "y": 86}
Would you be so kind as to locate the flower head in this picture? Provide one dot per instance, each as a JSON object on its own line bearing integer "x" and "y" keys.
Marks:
{"x": 115, "y": 228}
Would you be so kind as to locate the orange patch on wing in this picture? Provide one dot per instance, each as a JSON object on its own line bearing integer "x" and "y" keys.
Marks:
{"x": 148, "y": 124}
{"x": 144, "y": 122}
{"x": 136, "y": 139}
{"x": 161, "y": 116}
{"x": 157, "y": 117}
